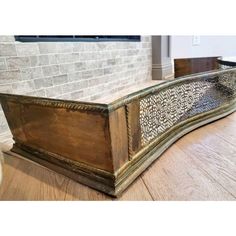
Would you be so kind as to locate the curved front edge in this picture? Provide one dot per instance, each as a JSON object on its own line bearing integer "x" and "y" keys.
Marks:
{"x": 159, "y": 118}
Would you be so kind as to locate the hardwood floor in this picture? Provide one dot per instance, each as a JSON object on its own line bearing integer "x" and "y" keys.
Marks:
{"x": 200, "y": 166}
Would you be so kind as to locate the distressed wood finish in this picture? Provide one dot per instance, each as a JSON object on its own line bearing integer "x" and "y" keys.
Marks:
{"x": 106, "y": 146}
{"x": 188, "y": 66}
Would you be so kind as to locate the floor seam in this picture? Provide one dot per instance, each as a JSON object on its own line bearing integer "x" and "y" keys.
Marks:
{"x": 147, "y": 188}
{"x": 68, "y": 181}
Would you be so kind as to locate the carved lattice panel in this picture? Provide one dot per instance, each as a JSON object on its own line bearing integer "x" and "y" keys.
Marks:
{"x": 162, "y": 110}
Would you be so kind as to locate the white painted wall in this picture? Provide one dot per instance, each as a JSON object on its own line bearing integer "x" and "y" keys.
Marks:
{"x": 210, "y": 46}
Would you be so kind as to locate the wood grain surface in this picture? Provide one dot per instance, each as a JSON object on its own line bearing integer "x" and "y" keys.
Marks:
{"x": 200, "y": 166}
{"x": 188, "y": 66}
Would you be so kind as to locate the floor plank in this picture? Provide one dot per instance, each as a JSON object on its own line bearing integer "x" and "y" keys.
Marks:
{"x": 213, "y": 155}
{"x": 76, "y": 191}
{"x": 31, "y": 182}
{"x": 226, "y": 129}
{"x": 43, "y": 184}
{"x": 137, "y": 191}
{"x": 175, "y": 177}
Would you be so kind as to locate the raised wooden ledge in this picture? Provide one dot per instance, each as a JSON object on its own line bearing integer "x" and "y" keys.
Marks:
{"x": 107, "y": 145}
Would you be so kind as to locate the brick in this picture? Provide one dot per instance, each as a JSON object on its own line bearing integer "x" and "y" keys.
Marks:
{"x": 90, "y": 47}
{"x": 43, "y": 83}
{"x": 71, "y": 87}
{"x": 41, "y": 60}
{"x": 88, "y": 56}
{"x": 53, "y": 91}
{"x": 81, "y": 84}
{"x": 108, "y": 70}
{"x": 5, "y": 88}
{"x": 37, "y": 93}
{"x": 18, "y": 62}
{"x": 27, "y": 49}
{"x": 102, "y": 64}
{"x": 40, "y": 93}
{"x": 3, "y": 65}
{"x": 51, "y": 70}
{"x": 65, "y": 58}
{"x": 45, "y": 48}
{"x": 66, "y": 47}
{"x": 77, "y": 95}
{"x": 66, "y": 96}
{"x": 76, "y": 56}
{"x": 75, "y": 76}
{"x": 67, "y": 68}
{"x": 9, "y": 76}
{"x": 100, "y": 80}
{"x": 23, "y": 87}
{"x": 52, "y": 59}
{"x": 92, "y": 65}
{"x": 60, "y": 79}
{"x": 132, "y": 52}
{"x": 96, "y": 96}
{"x": 102, "y": 46}
{"x": 87, "y": 74}
{"x": 80, "y": 66}
{"x": 66, "y": 88}
{"x": 31, "y": 73}
{"x": 7, "y": 49}
{"x": 111, "y": 61}
{"x": 98, "y": 72}
{"x": 146, "y": 45}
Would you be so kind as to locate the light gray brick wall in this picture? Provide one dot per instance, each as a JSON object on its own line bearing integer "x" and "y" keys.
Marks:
{"x": 71, "y": 70}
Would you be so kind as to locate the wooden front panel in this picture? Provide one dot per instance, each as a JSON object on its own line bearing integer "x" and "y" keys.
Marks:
{"x": 134, "y": 131}
{"x": 190, "y": 66}
{"x": 119, "y": 137}
{"x": 77, "y": 135}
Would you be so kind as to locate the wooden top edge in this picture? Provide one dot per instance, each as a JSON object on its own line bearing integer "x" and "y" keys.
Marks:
{"x": 51, "y": 102}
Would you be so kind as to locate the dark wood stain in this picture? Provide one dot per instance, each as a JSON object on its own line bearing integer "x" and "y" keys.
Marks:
{"x": 190, "y": 66}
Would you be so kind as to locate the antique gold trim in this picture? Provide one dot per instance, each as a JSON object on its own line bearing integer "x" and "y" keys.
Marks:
{"x": 128, "y": 123}
{"x": 57, "y": 103}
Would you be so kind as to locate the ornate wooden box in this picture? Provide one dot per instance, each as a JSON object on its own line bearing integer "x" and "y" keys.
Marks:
{"x": 107, "y": 145}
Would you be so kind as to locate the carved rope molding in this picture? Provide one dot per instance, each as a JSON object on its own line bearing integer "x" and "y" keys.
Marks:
{"x": 57, "y": 103}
